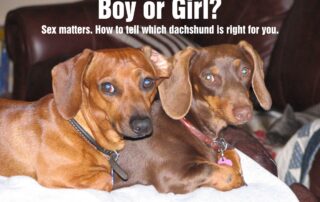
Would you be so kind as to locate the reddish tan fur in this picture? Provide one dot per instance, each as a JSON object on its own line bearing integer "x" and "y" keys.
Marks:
{"x": 36, "y": 138}
{"x": 174, "y": 160}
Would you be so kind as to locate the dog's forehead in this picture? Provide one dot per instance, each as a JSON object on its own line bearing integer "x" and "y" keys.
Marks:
{"x": 222, "y": 55}
{"x": 123, "y": 55}
{"x": 124, "y": 59}
{"x": 224, "y": 50}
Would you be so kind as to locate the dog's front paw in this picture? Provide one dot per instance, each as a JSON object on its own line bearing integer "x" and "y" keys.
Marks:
{"x": 226, "y": 178}
{"x": 227, "y": 173}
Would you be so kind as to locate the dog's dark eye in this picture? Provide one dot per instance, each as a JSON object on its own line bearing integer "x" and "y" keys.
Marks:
{"x": 211, "y": 80}
{"x": 209, "y": 77}
{"x": 244, "y": 71}
{"x": 147, "y": 83}
{"x": 107, "y": 88}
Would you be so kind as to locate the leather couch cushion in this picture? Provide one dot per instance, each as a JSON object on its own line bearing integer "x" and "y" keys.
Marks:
{"x": 39, "y": 77}
{"x": 294, "y": 72}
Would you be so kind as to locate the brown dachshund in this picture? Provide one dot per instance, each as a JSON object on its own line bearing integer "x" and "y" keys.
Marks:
{"x": 107, "y": 94}
{"x": 210, "y": 87}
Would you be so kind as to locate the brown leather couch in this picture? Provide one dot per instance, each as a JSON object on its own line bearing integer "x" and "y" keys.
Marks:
{"x": 290, "y": 57}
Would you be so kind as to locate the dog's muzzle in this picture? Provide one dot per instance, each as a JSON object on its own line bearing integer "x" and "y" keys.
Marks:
{"x": 141, "y": 126}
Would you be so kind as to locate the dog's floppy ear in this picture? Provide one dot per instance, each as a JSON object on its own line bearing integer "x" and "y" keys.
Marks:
{"x": 66, "y": 83}
{"x": 258, "y": 84}
{"x": 160, "y": 63}
{"x": 176, "y": 91}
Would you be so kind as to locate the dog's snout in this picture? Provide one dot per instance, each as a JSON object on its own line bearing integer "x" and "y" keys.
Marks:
{"x": 141, "y": 126}
{"x": 243, "y": 113}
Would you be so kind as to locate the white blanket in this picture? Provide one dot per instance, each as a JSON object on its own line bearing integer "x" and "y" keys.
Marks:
{"x": 262, "y": 186}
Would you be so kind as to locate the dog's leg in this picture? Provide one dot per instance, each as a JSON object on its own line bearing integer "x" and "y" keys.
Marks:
{"x": 227, "y": 177}
{"x": 92, "y": 177}
{"x": 204, "y": 173}
{"x": 85, "y": 170}
{"x": 95, "y": 180}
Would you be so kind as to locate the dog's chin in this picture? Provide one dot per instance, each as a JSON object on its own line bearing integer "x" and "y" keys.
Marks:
{"x": 213, "y": 124}
{"x": 131, "y": 135}
{"x": 236, "y": 122}
{"x": 207, "y": 128}
{"x": 127, "y": 133}
{"x": 134, "y": 136}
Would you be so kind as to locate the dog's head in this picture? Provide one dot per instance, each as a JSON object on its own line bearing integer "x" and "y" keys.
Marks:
{"x": 214, "y": 83}
{"x": 115, "y": 87}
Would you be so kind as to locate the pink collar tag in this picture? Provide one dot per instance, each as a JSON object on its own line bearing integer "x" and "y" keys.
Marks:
{"x": 224, "y": 161}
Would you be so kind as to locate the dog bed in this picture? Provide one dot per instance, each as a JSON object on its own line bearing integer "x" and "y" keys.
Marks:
{"x": 261, "y": 186}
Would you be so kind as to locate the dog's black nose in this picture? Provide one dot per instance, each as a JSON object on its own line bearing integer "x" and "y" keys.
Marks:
{"x": 142, "y": 126}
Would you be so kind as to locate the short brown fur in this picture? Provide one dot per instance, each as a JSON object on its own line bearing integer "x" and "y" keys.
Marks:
{"x": 36, "y": 138}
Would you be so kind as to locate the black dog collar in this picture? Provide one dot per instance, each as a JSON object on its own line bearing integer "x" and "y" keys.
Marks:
{"x": 111, "y": 155}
